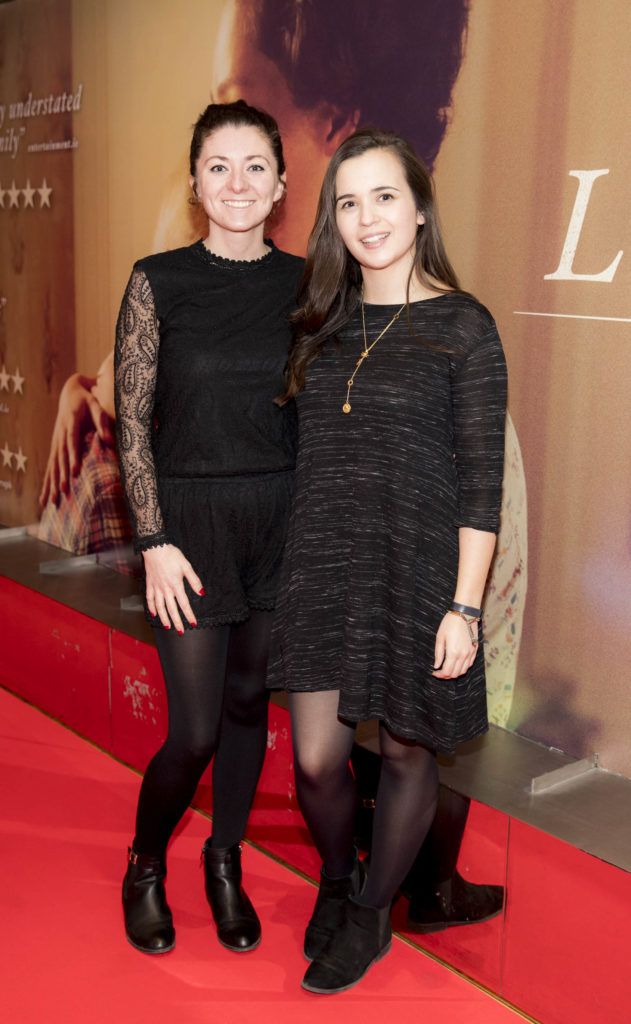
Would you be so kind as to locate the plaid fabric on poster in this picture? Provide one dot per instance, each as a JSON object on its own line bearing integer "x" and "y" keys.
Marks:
{"x": 92, "y": 517}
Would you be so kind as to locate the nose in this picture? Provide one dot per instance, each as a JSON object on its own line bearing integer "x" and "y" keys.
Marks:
{"x": 367, "y": 215}
{"x": 237, "y": 181}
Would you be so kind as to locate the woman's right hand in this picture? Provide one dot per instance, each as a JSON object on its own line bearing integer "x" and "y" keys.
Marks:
{"x": 166, "y": 569}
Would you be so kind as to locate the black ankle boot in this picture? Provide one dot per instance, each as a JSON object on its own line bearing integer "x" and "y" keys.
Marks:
{"x": 330, "y": 907}
{"x": 453, "y": 903}
{"x": 238, "y": 927}
{"x": 362, "y": 939}
{"x": 148, "y": 919}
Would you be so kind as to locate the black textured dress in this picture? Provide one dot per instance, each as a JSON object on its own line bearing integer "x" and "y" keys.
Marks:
{"x": 371, "y": 559}
{"x": 206, "y": 456}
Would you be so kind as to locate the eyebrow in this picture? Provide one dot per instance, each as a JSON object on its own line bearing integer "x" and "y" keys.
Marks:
{"x": 226, "y": 159}
{"x": 380, "y": 188}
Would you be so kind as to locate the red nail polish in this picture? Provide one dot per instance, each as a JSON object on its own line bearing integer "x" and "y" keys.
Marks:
{"x": 180, "y": 632}
{"x": 167, "y": 627}
{"x": 194, "y": 625}
{"x": 202, "y": 592}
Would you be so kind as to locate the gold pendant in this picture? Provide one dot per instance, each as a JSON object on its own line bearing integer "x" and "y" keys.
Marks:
{"x": 346, "y": 407}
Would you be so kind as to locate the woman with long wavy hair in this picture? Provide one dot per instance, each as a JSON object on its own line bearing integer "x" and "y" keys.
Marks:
{"x": 400, "y": 380}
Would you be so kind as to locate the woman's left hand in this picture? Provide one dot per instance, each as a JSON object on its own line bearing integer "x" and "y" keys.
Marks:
{"x": 454, "y": 653}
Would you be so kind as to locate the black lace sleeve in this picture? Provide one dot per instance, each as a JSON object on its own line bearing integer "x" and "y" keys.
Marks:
{"x": 135, "y": 371}
{"x": 479, "y": 404}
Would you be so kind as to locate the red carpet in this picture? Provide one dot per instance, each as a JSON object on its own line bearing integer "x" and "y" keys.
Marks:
{"x": 67, "y": 814}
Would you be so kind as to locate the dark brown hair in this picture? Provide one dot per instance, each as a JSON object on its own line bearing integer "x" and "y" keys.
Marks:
{"x": 392, "y": 64}
{"x": 331, "y": 285}
{"x": 240, "y": 113}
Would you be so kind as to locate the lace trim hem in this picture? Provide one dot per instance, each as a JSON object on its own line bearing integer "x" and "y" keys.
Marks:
{"x": 156, "y": 540}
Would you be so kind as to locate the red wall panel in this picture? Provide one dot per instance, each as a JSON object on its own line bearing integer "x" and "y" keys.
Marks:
{"x": 139, "y": 712}
{"x": 56, "y": 658}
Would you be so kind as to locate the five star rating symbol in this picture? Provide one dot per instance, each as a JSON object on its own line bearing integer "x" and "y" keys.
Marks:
{"x": 28, "y": 193}
{"x": 10, "y": 197}
{"x": 17, "y": 378}
{"x": 18, "y": 381}
{"x": 14, "y": 460}
{"x": 44, "y": 194}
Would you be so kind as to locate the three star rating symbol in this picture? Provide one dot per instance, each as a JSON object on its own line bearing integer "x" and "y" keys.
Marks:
{"x": 17, "y": 378}
{"x": 44, "y": 192}
{"x": 9, "y": 458}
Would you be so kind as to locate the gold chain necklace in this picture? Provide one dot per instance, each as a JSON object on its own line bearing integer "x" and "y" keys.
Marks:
{"x": 364, "y": 355}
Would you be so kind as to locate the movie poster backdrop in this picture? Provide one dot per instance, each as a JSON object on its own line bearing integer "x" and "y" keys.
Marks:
{"x": 520, "y": 110}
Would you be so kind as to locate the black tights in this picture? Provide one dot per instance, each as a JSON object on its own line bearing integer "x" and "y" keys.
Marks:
{"x": 215, "y": 683}
{"x": 406, "y": 797}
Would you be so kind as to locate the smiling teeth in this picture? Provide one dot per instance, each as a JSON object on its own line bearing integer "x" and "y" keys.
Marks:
{"x": 374, "y": 238}
{"x": 238, "y": 203}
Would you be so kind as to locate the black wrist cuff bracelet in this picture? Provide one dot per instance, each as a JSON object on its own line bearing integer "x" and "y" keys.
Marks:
{"x": 466, "y": 609}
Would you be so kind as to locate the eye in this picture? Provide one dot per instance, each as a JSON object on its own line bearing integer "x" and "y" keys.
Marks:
{"x": 256, "y": 167}
{"x": 346, "y": 204}
{"x": 385, "y": 196}
{"x": 215, "y": 168}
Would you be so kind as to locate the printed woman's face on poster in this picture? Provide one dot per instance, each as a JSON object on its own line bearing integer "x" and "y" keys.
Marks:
{"x": 321, "y": 76}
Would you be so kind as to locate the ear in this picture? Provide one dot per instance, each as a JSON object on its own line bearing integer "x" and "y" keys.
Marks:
{"x": 193, "y": 184}
{"x": 281, "y": 188}
{"x": 420, "y": 218}
{"x": 339, "y": 124}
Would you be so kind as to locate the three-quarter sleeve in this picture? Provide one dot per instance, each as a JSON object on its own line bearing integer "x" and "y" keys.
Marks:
{"x": 479, "y": 392}
{"x": 135, "y": 373}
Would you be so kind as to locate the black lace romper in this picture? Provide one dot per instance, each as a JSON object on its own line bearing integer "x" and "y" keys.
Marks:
{"x": 372, "y": 551}
{"x": 206, "y": 457}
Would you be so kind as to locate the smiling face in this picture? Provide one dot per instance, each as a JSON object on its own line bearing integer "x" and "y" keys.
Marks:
{"x": 236, "y": 179}
{"x": 376, "y": 213}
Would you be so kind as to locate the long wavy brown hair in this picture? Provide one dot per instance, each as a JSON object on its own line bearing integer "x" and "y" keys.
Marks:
{"x": 330, "y": 290}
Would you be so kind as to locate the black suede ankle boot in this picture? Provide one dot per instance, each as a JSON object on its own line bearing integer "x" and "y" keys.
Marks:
{"x": 453, "y": 903}
{"x": 330, "y": 907}
{"x": 238, "y": 927}
{"x": 148, "y": 919}
{"x": 362, "y": 939}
